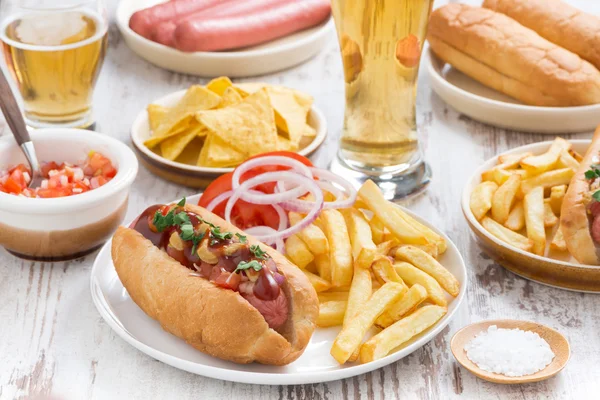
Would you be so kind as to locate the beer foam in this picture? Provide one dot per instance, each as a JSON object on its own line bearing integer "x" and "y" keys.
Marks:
{"x": 54, "y": 31}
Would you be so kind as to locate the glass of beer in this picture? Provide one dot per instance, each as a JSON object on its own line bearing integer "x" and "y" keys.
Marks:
{"x": 381, "y": 43}
{"x": 54, "y": 51}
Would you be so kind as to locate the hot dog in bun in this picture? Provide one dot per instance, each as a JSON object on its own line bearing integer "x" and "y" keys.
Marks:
{"x": 220, "y": 290}
{"x": 580, "y": 212}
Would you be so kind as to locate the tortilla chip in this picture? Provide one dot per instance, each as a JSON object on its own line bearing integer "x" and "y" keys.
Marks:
{"x": 189, "y": 155}
{"x": 172, "y": 147}
{"x": 179, "y": 117}
{"x": 156, "y": 114}
{"x": 248, "y": 127}
{"x": 218, "y": 154}
{"x": 291, "y": 108}
{"x": 219, "y": 85}
{"x": 286, "y": 144}
{"x": 230, "y": 97}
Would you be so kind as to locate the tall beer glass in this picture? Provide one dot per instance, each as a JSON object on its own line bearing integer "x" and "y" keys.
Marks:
{"x": 381, "y": 43}
{"x": 54, "y": 50}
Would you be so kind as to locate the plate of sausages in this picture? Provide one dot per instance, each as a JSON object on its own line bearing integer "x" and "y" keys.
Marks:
{"x": 238, "y": 38}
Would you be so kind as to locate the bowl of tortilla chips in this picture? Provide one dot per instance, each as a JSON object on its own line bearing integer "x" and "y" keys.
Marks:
{"x": 192, "y": 136}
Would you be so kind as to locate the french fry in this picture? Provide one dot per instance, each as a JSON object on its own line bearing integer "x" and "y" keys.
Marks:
{"x": 360, "y": 291}
{"x": 412, "y": 275}
{"x": 429, "y": 248}
{"x": 377, "y": 229}
{"x": 312, "y": 235}
{"x": 386, "y": 212}
{"x": 431, "y": 266}
{"x": 361, "y": 239}
{"x": 481, "y": 198}
{"x": 543, "y": 162}
{"x": 331, "y": 313}
{"x": 578, "y": 157}
{"x": 549, "y": 218}
{"x": 340, "y": 254}
{"x": 548, "y": 179}
{"x": 317, "y": 282}
{"x": 431, "y": 236}
{"x": 502, "y": 175}
{"x": 297, "y": 252}
{"x": 351, "y": 335}
{"x": 506, "y": 235}
{"x": 557, "y": 194}
{"x": 332, "y": 296}
{"x": 516, "y": 218}
{"x": 384, "y": 270}
{"x": 558, "y": 241}
{"x": 400, "y": 332}
{"x": 407, "y": 304}
{"x": 504, "y": 197}
{"x": 533, "y": 205}
{"x": 384, "y": 248}
{"x": 323, "y": 265}
{"x": 508, "y": 161}
{"x": 566, "y": 160}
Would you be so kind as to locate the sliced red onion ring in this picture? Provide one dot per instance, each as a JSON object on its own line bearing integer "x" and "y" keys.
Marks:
{"x": 348, "y": 188}
{"x": 306, "y": 184}
{"x": 283, "y": 218}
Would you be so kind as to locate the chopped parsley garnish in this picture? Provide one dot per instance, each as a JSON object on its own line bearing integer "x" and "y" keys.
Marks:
{"x": 596, "y": 195}
{"x": 217, "y": 234}
{"x": 181, "y": 202}
{"x": 162, "y": 222}
{"x": 258, "y": 252}
{"x": 242, "y": 238}
{"x": 244, "y": 265}
{"x": 592, "y": 173}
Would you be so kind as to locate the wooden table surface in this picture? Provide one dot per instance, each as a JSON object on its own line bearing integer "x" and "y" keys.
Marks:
{"x": 54, "y": 343}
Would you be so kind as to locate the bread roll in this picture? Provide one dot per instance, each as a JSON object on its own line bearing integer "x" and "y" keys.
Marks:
{"x": 556, "y": 21}
{"x": 504, "y": 55}
{"x": 216, "y": 321}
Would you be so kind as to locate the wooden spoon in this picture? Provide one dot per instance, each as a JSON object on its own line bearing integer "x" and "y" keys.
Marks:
{"x": 558, "y": 343}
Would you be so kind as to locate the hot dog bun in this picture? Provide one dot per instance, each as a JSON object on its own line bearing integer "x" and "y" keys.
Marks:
{"x": 216, "y": 321}
{"x": 504, "y": 55}
{"x": 556, "y": 21}
{"x": 574, "y": 218}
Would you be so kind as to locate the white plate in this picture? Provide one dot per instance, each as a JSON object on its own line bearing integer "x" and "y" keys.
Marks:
{"x": 486, "y": 105}
{"x": 140, "y": 131}
{"x": 263, "y": 59}
{"x": 315, "y": 365}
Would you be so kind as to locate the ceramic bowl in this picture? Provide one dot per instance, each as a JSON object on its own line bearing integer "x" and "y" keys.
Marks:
{"x": 66, "y": 227}
{"x": 192, "y": 175}
{"x": 564, "y": 273}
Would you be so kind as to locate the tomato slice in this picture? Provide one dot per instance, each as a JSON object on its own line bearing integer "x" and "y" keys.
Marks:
{"x": 245, "y": 215}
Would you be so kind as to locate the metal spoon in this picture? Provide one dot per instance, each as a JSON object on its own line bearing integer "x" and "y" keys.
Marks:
{"x": 15, "y": 121}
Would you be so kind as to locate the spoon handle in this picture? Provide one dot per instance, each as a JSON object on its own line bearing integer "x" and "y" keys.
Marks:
{"x": 11, "y": 112}
{"x": 15, "y": 121}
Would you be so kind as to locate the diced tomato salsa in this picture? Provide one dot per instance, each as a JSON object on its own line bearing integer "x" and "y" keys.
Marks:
{"x": 61, "y": 180}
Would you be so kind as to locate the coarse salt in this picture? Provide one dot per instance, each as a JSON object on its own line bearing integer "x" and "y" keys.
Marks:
{"x": 510, "y": 352}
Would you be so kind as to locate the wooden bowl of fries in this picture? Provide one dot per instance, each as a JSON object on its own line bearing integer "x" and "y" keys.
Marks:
{"x": 525, "y": 186}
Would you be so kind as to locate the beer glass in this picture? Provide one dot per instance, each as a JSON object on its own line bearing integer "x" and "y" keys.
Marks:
{"x": 54, "y": 51}
{"x": 381, "y": 43}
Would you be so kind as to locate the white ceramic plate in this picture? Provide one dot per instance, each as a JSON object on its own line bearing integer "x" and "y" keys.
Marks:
{"x": 315, "y": 365}
{"x": 140, "y": 131}
{"x": 263, "y": 59}
{"x": 486, "y": 105}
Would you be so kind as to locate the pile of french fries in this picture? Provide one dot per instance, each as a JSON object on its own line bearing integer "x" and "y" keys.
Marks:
{"x": 373, "y": 265}
{"x": 519, "y": 200}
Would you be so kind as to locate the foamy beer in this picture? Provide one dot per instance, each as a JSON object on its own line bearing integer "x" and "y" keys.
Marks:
{"x": 54, "y": 52}
{"x": 381, "y": 43}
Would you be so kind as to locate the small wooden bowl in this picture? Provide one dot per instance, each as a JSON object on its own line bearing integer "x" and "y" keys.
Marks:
{"x": 558, "y": 343}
